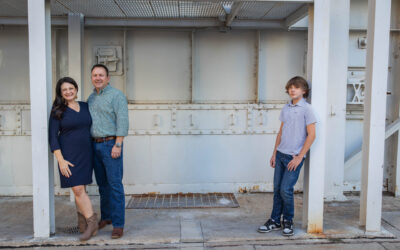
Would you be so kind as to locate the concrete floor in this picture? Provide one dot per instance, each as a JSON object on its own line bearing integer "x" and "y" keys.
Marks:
{"x": 217, "y": 228}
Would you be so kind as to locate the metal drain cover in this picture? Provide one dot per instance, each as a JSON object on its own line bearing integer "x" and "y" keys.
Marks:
{"x": 209, "y": 200}
{"x": 69, "y": 230}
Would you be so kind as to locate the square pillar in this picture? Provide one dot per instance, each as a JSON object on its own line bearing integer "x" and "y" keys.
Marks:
{"x": 40, "y": 69}
{"x": 306, "y": 168}
{"x": 374, "y": 114}
{"x": 314, "y": 174}
{"x": 75, "y": 56}
{"x": 75, "y": 50}
{"x": 337, "y": 93}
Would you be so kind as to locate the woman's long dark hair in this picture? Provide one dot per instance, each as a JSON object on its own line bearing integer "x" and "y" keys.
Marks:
{"x": 59, "y": 104}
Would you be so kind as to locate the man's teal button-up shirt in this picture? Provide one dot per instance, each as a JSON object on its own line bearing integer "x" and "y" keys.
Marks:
{"x": 109, "y": 111}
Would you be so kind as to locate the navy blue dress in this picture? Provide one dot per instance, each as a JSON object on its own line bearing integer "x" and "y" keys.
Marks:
{"x": 72, "y": 136}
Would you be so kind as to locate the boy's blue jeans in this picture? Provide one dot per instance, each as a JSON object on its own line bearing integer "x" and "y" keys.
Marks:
{"x": 284, "y": 181}
{"x": 109, "y": 172}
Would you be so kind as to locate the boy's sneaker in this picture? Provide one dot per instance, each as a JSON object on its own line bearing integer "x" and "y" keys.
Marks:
{"x": 287, "y": 228}
{"x": 269, "y": 226}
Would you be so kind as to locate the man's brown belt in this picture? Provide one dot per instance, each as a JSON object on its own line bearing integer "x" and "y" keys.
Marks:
{"x": 104, "y": 139}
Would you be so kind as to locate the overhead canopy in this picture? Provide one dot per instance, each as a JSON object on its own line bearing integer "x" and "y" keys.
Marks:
{"x": 185, "y": 13}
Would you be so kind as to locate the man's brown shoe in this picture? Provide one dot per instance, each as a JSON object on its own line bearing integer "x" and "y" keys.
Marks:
{"x": 117, "y": 233}
{"x": 104, "y": 223}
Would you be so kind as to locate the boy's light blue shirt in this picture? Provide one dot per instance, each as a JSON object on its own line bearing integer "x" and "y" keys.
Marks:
{"x": 295, "y": 119}
{"x": 109, "y": 111}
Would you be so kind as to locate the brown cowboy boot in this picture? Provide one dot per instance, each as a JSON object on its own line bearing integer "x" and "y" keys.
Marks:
{"x": 117, "y": 233}
{"x": 91, "y": 229}
{"x": 81, "y": 223}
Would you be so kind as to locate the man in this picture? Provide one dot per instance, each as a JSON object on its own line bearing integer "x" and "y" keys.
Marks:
{"x": 109, "y": 110}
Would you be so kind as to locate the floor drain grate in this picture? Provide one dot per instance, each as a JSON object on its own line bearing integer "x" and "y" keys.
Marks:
{"x": 158, "y": 201}
{"x": 69, "y": 230}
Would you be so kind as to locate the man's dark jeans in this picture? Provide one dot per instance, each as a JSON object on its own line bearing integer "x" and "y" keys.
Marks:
{"x": 284, "y": 181}
{"x": 109, "y": 172}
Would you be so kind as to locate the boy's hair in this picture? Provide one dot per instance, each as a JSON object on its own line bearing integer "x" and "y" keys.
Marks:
{"x": 298, "y": 82}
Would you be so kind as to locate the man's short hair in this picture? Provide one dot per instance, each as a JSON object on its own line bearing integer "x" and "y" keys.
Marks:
{"x": 298, "y": 82}
{"x": 99, "y": 65}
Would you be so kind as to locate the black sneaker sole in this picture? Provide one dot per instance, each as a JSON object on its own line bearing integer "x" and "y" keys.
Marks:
{"x": 262, "y": 231}
{"x": 290, "y": 234}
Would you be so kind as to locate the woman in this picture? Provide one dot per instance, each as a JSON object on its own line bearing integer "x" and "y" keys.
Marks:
{"x": 70, "y": 141}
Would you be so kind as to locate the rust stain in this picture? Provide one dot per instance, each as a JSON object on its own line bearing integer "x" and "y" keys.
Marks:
{"x": 316, "y": 230}
{"x": 243, "y": 190}
{"x": 255, "y": 188}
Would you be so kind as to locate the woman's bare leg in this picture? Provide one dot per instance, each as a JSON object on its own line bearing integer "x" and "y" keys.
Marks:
{"x": 83, "y": 203}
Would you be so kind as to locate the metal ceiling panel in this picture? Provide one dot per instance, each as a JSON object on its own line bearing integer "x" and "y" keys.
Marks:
{"x": 57, "y": 9}
{"x": 159, "y": 9}
{"x": 203, "y": 9}
{"x": 93, "y": 8}
{"x": 134, "y": 8}
{"x": 254, "y": 10}
{"x": 282, "y": 10}
{"x": 13, "y": 8}
{"x": 166, "y": 9}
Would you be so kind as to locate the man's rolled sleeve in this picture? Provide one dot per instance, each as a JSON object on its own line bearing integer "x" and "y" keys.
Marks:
{"x": 122, "y": 119}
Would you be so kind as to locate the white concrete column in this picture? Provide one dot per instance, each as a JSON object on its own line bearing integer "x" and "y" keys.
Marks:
{"x": 40, "y": 69}
{"x": 75, "y": 50}
{"x": 397, "y": 176}
{"x": 374, "y": 114}
{"x": 75, "y": 56}
{"x": 395, "y": 62}
{"x": 337, "y": 89}
{"x": 306, "y": 167}
{"x": 318, "y": 153}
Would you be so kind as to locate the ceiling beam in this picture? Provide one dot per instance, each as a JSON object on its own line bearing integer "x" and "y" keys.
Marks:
{"x": 296, "y": 16}
{"x": 145, "y": 22}
{"x": 236, "y": 6}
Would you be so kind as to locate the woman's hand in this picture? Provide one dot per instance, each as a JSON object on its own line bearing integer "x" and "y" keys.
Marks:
{"x": 64, "y": 167}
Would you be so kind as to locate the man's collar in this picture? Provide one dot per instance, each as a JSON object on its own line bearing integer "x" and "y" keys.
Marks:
{"x": 102, "y": 90}
{"x": 299, "y": 103}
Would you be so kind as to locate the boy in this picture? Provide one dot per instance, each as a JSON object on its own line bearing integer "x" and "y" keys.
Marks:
{"x": 296, "y": 134}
